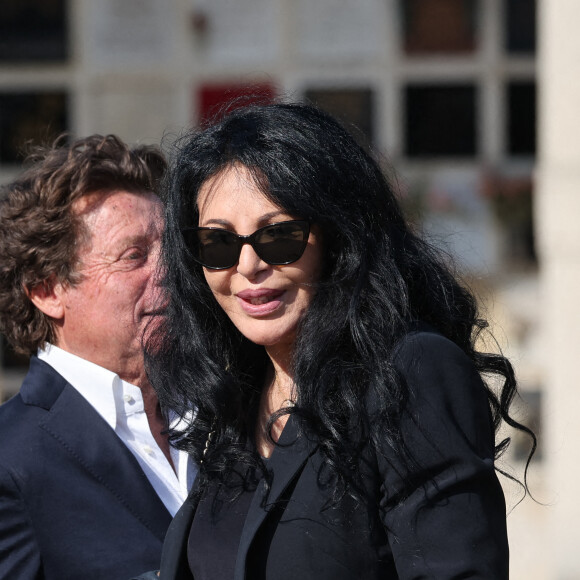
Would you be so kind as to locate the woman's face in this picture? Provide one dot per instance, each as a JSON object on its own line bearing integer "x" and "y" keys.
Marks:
{"x": 265, "y": 302}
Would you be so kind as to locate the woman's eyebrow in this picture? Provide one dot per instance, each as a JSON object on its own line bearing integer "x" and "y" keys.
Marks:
{"x": 263, "y": 219}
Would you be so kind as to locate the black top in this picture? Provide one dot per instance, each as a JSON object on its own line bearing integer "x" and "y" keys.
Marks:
{"x": 215, "y": 534}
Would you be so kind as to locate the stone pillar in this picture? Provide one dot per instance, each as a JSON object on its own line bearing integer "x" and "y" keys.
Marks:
{"x": 558, "y": 237}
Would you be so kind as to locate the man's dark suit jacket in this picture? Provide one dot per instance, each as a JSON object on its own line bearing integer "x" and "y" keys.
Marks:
{"x": 451, "y": 526}
{"x": 74, "y": 502}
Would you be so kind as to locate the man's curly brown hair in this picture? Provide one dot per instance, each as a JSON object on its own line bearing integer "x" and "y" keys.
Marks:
{"x": 40, "y": 234}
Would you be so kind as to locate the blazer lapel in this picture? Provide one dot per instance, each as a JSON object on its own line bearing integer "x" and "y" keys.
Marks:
{"x": 91, "y": 442}
{"x": 174, "y": 562}
{"x": 294, "y": 448}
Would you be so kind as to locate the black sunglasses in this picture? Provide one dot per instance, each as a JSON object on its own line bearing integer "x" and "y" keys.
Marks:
{"x": 276, "y": 244}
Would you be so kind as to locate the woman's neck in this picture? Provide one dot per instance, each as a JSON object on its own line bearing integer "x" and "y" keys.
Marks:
{"x": 278, "y": 392}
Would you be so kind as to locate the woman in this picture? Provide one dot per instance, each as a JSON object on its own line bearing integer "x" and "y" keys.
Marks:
{"x": 342, "y": 425}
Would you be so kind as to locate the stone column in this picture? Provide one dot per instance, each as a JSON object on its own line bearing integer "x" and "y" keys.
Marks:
{"x": 558, "y": 237}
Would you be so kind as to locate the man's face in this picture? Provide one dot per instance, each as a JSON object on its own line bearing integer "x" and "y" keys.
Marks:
{"x": 106, "y": 314}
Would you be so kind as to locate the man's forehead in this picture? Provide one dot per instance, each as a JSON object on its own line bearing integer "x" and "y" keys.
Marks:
{"x": 93, "y": 200}
{"x": 105, "y": 230}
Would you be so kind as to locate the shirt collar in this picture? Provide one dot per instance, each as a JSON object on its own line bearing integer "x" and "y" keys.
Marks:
{"x": 108, "y": 394}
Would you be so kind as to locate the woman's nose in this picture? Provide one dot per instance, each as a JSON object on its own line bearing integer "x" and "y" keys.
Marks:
{"x": 250, "y": 263}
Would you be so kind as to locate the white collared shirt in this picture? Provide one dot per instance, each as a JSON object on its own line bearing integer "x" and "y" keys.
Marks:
{"x": 120, "y": 404}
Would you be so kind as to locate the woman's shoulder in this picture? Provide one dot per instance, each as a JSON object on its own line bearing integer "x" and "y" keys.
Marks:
{"x": 424, "y": 348}
{"x": 423, "y": 338}
{"x": 441, "y": 378}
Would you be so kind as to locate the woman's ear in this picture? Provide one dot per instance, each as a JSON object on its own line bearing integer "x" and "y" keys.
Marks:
{"x": 47, "y": 297}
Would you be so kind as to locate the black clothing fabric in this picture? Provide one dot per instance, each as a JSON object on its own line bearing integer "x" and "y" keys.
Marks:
{"x": 451, "y": 525}
{"x": 215, "y": 535}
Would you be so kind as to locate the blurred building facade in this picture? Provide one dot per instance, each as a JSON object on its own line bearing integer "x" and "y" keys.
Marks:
{"x": 557, "y": 213}
{"x": 444, "y": 90}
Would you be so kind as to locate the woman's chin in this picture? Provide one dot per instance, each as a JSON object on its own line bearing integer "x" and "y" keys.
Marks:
{"x": 267, "y": 338}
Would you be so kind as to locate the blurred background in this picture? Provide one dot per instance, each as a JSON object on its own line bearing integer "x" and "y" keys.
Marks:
{"x": 472, "y": 102}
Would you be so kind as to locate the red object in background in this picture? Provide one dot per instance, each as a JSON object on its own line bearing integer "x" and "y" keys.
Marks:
{"x": 223, "y": 98}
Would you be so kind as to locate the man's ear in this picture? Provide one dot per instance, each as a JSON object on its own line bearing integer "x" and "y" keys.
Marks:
{"x": 47, "y": 297}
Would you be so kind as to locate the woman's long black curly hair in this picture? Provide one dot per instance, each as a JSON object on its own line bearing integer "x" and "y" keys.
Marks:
{"x": 378, "y": 278}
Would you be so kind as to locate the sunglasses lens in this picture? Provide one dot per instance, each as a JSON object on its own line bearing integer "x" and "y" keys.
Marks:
{"x": 214, "y": 248}
{"x": 282, "y": 243}
{"x": 217, "y": 249}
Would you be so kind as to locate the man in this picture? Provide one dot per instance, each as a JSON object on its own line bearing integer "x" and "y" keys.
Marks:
{"x": 88, "y": 482}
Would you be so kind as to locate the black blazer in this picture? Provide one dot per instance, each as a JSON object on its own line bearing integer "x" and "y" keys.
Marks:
{"x": 451, "y": 526}
{"x": 74, "y": 502}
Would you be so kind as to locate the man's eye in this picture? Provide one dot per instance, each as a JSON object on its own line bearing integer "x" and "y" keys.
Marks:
{"x": 135, "y": 255}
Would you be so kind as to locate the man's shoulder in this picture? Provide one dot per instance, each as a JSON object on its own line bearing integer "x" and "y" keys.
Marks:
{"x": 21, "y": 415}
{"x": 10, "y": 411}
{"x": 42, "y": 384}
{"x": 18, "y": 430}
